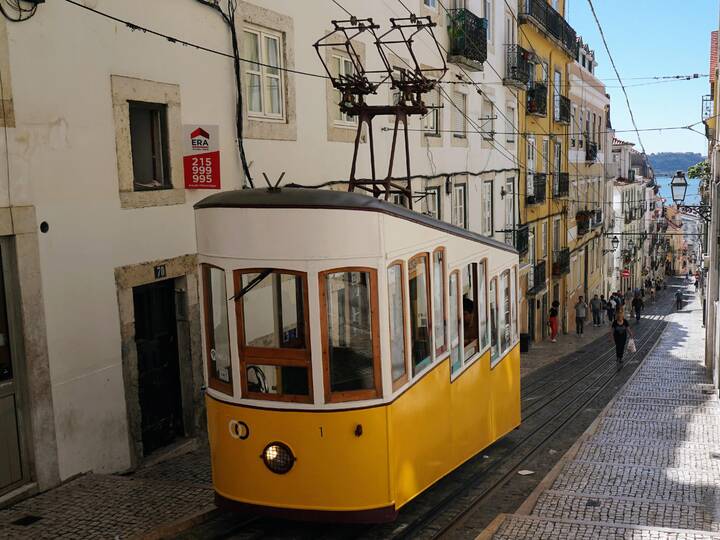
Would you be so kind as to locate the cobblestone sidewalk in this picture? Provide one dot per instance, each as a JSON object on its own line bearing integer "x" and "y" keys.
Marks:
{"x": 650, "y": 467}
{"x": 151, "y": 503}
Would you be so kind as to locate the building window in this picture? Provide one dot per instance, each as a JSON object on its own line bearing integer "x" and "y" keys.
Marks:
{"x": 348, "y": 298}
{"x": 433, "y": 203}
{"x": 487, "y": 119}
{"x": 543, "y": 240}
{"x": 399, "y": 199}
{"x": 459, "y": 200}
{"x": 557, "y": 91}
{"x": 459, "y": 115}
{"x": 573, "y": 125}
{"x": 488, "y": 207}
{"x": 421, "y": 351}
{"x": 149, "y": 146}
{"x": 343, "y": 68}
{"x": 217, "y": 331}
{"x": 454, "y": 322}
{"x": 431, "y": 121}
{"x": 432, "y": 4}
{"x": 396, "y": 308}
{"x": 509, "y": 203}
{"x": 558, "y": 160}
{"x": 510, "y": 124}
{"x": 494, "y": 343}
{"x": 545, "y": 156}
{"x": 470, "y": 307}
{"x": 439, "y": 301}
{"x": 264, "y": 79}
{"x": 273, "y": 335}
{"x": 489, "y": 19}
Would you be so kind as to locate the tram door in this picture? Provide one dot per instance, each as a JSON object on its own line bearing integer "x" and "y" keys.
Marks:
{"x": 12, "y": 472}
{"x": 158, "y": 364}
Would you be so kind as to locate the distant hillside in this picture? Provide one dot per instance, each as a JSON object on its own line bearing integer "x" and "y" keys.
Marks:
{"x": 666, "y": 163}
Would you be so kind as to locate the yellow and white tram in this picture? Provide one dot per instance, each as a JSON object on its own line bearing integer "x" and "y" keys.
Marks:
{"x": 356, "y": 351}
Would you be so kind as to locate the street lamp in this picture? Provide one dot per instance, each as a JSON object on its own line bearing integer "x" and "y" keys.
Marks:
{"x": 615, "y": 242}
{"x": 678, "y": 186}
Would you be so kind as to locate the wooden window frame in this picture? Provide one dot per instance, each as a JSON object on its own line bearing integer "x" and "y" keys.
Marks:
{"x": 262, "y": 72}
{"x": 458, "y": 322}
{"x": 439, "y": 351}
{"x": 351, "y": 395}
{"x": 503, "y": 352}
{"x": 428, "y": 291}
{"x": 405, "y": 377}
{"x": 497, "y": 322}
{"x": 486, "y": 294}
{"x": 475, "y": 355}
{"x": 213, "y": 382}
{"x": 273, "y": 356}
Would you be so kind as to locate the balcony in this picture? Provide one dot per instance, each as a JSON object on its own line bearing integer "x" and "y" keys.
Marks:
{"x": 538, "y": 193}
{"x": 591, "y": 151}
{"x": 562, "y": 109}
{"x": 549, "y": 21}
{"x": 708, "y": 107}
{"x": 536, "y": 279}
{"x": 583, "y": 219}
{"x": 537, "y": 99}
{"x": 468, "y": 39}
{"x": 561, "y": 186}
{"x": 561, "y": 262}
{"x": 597, "y": 218}
{"x": 517, "y": 67}
{"x": 519, "y": 238}
{"x": 629, "y": 215}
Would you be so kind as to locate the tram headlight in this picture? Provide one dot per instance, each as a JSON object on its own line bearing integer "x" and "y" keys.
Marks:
{"x": 278, "y": 457}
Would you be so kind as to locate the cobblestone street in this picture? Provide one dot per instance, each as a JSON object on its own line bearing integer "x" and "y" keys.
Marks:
{"x": 649, "y": 466}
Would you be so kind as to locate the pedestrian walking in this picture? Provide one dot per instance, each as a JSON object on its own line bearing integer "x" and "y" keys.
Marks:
{"x": 611, "y": 308}
{"x": 678, "y": 299}
{"x": 629, "y": 295}
{"x": 619, "y": 334}
{"x": 596, "y": 307}
{"x": 638, "y": 306}
{"x": 581, "y": 309}
{"x": 652, "y": 294}
{"x": 553, "y": 321}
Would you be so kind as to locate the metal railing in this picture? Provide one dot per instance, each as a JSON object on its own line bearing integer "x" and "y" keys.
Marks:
{"x": 583, "y": 219}
{"x": 517, "y": 67}
{"x": 562, "y": 109}
{"x": 539, "y": 188}
{"x": 468, "y": 38}
{"x": 561, "y": 262}
{"x": 708, "y": 107}
{"x": 597, "y": 218}
{"x": 537, "y": 99}
{"x": 591, "y": 151}
{"x": 562, "y": 185}
{"x": 519, "y": 238}
{"x": 541, "y": 13}
{"x": 538, "y": 278}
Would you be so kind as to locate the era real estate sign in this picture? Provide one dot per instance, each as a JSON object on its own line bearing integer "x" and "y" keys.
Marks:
{"x": 201, "y": 157}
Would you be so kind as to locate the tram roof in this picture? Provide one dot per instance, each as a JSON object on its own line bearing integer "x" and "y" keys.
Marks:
{"x": 335, "y": 200}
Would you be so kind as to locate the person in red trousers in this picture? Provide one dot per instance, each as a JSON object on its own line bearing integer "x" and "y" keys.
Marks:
{"x": 553, "y": 321}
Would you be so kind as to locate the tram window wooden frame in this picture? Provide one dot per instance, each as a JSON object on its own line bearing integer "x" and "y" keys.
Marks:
{"x": 273, "y": 356}
{"x": 422, "y": 366}
{"x": 457, "y": 322}
{"x": 496, "y": 334}
{"x": 440, "y": 351}
{"x": 484, "y": 337}
{"x": 213, "y": 382}
{"x": 474, "y": 284}
{"x": 351, "y": 395}
{"x": 405, "y": 377}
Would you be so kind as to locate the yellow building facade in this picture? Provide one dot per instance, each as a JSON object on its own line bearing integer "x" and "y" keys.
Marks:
{"x": 549, "y": 45}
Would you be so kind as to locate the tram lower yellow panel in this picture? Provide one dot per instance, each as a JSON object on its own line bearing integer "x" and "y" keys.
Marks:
{"x": 404, "y": 448}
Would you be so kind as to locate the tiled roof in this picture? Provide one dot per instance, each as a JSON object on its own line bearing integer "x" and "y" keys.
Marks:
{"x": 619, "y": 142}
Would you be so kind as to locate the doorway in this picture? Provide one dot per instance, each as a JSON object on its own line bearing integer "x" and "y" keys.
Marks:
{"x": 544, "y": 316}
{"x": 531, "y": 318}
{"x": 159, "y": 386}
{"x": 13, "y": 470}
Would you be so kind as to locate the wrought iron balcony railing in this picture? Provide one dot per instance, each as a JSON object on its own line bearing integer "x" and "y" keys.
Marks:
{"x": 561, "y": 185}
{"x": 591, "y": 151}
{"x": 519, "y": 238}
{"x": 538, "y": 275}
{"x": 517, "y": 67}
{"x": 538, "y": 194}
{"x": 537, "y": 99}
{"x": 549, "y": 21}
{"x": 561, "y": 262}
{"x": 583, "y": 219}
{"x": 597, "y": 218}
{"x": 562, "y": 109}
{"x": 708, "y": 107}
{"x": 468, "y": 39}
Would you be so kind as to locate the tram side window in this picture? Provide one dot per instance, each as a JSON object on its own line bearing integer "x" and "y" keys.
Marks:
{"x": 504, "y": 312}
{"x": 272, "y": 330}
{"x": 494, "y": 350}
{"x": 482, "y": 307}
{"x": 470, "y": 304}
{"x": 439, "y": 301}
{"x": 350, "y": 334}
{"x": 454, "y": 322}
{"x": 420, "y": 333}
{"x": 396, "y": 308}
{"x": 217, "y": 331}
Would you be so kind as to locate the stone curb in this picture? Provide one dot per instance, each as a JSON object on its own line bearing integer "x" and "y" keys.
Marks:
{"x": 168, "y": 530}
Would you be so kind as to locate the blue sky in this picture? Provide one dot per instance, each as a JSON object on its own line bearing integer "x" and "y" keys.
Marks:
{"x": 651, "y": 38}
